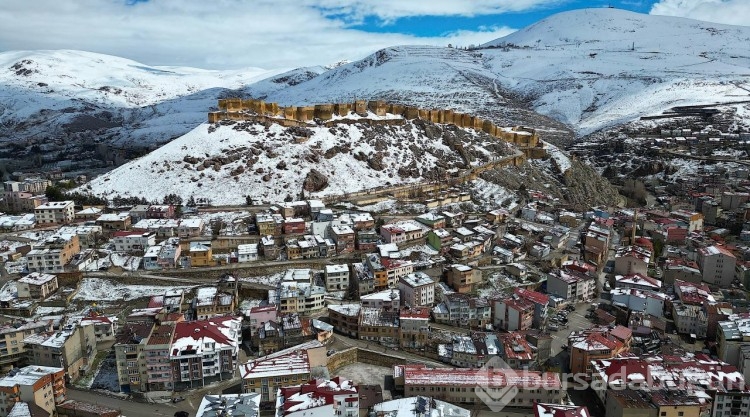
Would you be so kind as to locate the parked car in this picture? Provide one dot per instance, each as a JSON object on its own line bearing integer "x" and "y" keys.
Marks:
{"x": 553, "y": 327}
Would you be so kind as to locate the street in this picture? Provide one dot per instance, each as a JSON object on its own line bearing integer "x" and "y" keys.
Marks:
{"x": 132, "y": 408}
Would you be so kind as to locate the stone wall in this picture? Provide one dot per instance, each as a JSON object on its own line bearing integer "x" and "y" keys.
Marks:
{"x": 357, "y": 355}
{"x": 261, "y": 111}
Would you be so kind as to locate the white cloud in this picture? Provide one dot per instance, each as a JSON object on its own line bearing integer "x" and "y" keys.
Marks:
{"x": 229, "y": 33}
{"x": 732, "y": 12}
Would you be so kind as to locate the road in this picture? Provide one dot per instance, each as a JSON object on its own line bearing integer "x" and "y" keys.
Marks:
{"x": 131, "y": 408}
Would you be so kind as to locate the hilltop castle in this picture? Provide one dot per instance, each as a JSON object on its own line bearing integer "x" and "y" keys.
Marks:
{"x": 237, "y": 109}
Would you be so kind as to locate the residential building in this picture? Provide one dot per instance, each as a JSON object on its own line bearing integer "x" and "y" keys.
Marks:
{"x": 191, "y": 227}
{"x": 516, "y": 351}
{"x": 292, "y": 366}
{"x": 401, "y": 232}
{"x": 732, "y": 334}
{"x": 540, "y": 301}
{"x": 637, "y": 281}
{"x": 387, "y": 299}
{"x": 201, "y": 254}
{"x": 318, "y": 398}
{"x": 586, "y": 346}
{"x": 43, "y": 386}
{"x": 114, "y": 221}
{"x": 55, "y": 212}
{"x": 694, "y": 220}
{"x": 210, "y": 302}
{"x": 560, "y": 410}
{"x": 457, "y": 385}
{"x": 463, "y": 310}
{"x": 414, "y": 327}
{"x": 293, "y": 226}
{"x": 440, "y": 239}
{"x": 631, "y": 260}
{"x": 73, "y": 348}
{"x": 690, "y": 319}
{"x": 717, "y": 265}
{"x": 247, "y": 252}
{"x": 463, "y": 278}
{"x": 337, "y": 277}
{"x": 160, "y": 374}
{"x": 650, "y": 302}
{"x": 344, "y": 238}
{"x": 367, "y": 239}
{"x": 296, "y": 293}
{"x": 238, "y": 405}
{"x": 513, "y": 314}
{"x": 36, "y": 286}
{"x": 380, "y": 326}
{"x": 417, "y": 289}
{"x": 596, "y": 244}
{"x": 160, "y": 211}
{"x": 133, "y": 241}
{"x": 53, "y": 254}
{"x": 345, "y": 318}
{"x": 571, "y": 285}
{"x": 12, "y": 349}
{"x": 204, "y": 351}
{"x": 432, "y": 220}
{"x": 132, "y": 374}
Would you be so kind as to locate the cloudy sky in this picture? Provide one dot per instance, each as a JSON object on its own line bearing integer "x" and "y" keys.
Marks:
{"x": 271, "y": 34}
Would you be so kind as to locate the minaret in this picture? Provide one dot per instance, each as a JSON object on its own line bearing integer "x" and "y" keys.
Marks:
{"x": 635, "y": 225}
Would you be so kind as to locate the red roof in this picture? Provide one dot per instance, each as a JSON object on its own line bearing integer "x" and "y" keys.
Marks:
{"x": 621, "y": 332}
{"x": 415, "y": 313}
{"x": 200, "y": 329}
{"x": 533, "y": 296}
{"x": 156, "y": 301}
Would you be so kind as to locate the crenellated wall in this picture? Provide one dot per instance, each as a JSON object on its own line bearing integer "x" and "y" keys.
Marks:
{"x": 261, "y": 111}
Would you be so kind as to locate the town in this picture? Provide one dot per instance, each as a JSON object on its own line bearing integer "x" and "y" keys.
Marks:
{"x": 308, "y": 308}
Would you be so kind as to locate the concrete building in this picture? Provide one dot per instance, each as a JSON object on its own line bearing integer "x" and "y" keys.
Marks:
{"x": 204, "y": 351}
{"x": 43, "y": 386}
{"x": 571, "y": 285}
{"x": 417, "y": 289}
{"x": 597, "y": 343}
{"x": 318, "y": 398}
{"x": 131, "y": 364}
{"x": 337, "y": 277}
{"x": 291, "y": 366}
{"x": 133, "y": 241}
{"x": 52, "y": 255}
{"x": 463, "y": 278}
{"x": 55, "y": 212}
{"x": 73, "y": 348}
{"x": 631, "y": 260}
{"x": 717, "y": 265}
{"x": 12, "y": 349}
{"x": 36, "y": 286}
{"x": 456, "y": 385}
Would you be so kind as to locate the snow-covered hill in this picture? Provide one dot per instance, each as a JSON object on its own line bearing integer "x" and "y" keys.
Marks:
{"x": 225, "y": 164}
{"x": 589, "y": 69}
{"x": 54, "y": 93}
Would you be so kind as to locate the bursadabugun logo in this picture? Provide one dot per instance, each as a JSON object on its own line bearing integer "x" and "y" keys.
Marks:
{"x": 493, "y": 388}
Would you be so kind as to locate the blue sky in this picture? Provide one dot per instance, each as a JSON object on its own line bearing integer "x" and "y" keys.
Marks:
{"x": 281, "y": 34}
{"x": 437, "y": 26}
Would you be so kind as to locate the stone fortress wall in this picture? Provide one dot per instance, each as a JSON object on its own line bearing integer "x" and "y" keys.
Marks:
{"x": 258, "y": 110}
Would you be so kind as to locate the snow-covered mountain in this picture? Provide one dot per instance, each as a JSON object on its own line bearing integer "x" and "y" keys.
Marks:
{"x": 56, "y": 93}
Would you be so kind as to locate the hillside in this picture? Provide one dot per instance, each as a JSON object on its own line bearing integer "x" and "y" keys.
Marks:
{"x": 227, "y": 162}
{"x": 62, "y": 94}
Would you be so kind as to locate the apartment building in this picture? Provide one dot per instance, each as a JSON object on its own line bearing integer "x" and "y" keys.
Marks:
{"x": 43, "y": 386}
{"x": 133, "y": 241}
{"x": 417, "y": 289}
{"x": 53, "y": 254}
{"x": 345, "y": 318}
{"x": 112, "y": 222}
{"x": 132, "y": 375}
{"x": 159, "y": 372}
{"x": 717, "y": 265}
{"x": 291, "y": 366}
{"x": 319, "y": 398}
{"x": 296, "y": 293}
{"x": 204, "y": 351}
{"x": 73, "y": 348}
{"x": 36, "y": 286}
{"x": 463, "y": 278}
{"x": 463, "y": 310}
{"x": 12, "y": 349}
{"x": 337, "y": 277}
{"x": 571, "y": 285}
{"x": 597, "y": 343}
{"x": 414, "y": 325}
{"x": 55, "y": 212}
{"x": 210, "y": 302}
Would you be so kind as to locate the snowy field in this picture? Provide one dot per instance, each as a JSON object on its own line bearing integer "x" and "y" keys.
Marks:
{"x": 95, "y": 289}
